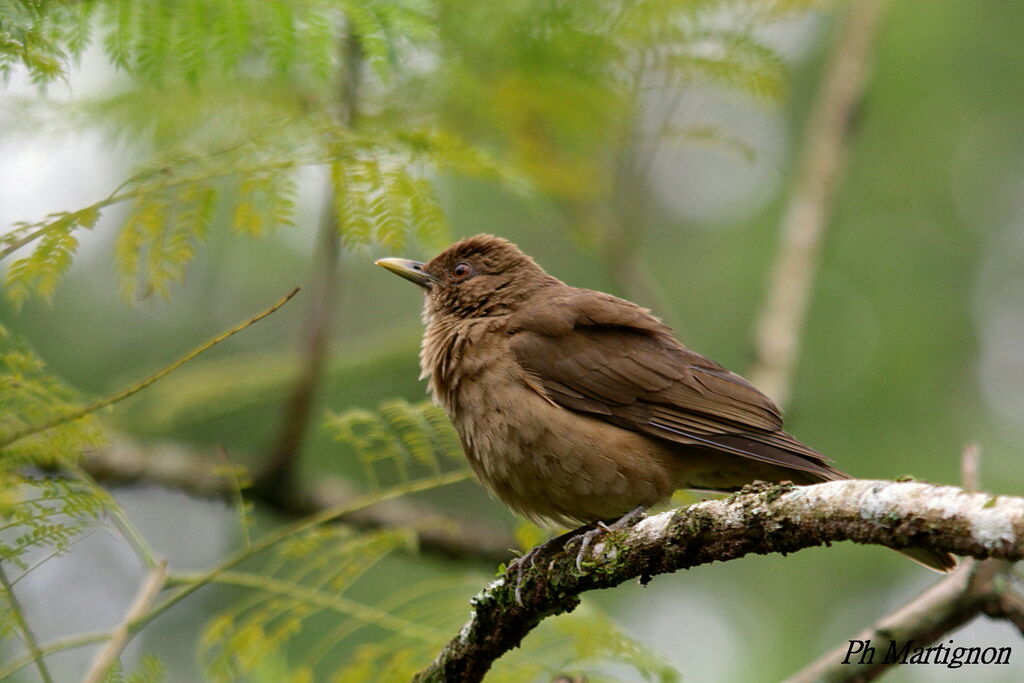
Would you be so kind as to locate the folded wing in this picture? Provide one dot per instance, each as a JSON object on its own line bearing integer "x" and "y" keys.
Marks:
{"x": 607, "y": 357}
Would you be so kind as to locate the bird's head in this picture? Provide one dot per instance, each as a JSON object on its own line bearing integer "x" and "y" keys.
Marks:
{"x": 480, "y": 276}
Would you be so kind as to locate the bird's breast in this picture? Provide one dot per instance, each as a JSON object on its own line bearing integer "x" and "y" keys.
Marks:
{"x": 544, "y": 461}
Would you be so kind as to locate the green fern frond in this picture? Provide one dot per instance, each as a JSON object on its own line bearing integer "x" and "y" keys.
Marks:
{"x": 266, "y": 201}
{"x": 379, "y": 196}
{"x": 253, "y": 37}
{"x": 388, "y": 442}
{"x": 40, "y": 37}
{"x": 40, "y": 272}
{"x": 150, "y": 670}
{"x": 714, "y": 64}
{"x": 711, "y": 136}
{"x": 310, "y": 576}
{"x": 379, "y": 200}
{"x": 429, "y": 223}
{"x": 414, "y": 432}
{"x": 30, "y": 395}
{"x": 120, "y": 17}
{"x": 49, "y": 514}
{"x": 595, "y": 640}
{"x": 272, "y": 627}
{"x": 389, "y": 207}
{"x": 365, "y": 22}
{"x": 349, "y": 190}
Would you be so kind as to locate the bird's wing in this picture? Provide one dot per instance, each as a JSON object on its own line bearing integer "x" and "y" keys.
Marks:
{"x": 597, "y": 354}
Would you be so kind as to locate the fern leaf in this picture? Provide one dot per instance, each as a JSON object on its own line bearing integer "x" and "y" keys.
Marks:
{"x": 426, "y": 216}
{"x": 351, "y": 205}
{"x": 388, "y": 206}
{"x": 118, "y": 41}
{"x": 30, "y": 395}
{"x": 366, "y": 24}
{"x": 282, "y": 40}
{"x": 384, "y": 441}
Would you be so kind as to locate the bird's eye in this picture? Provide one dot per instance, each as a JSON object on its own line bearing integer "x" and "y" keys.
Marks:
{"x": 462, "y": 271}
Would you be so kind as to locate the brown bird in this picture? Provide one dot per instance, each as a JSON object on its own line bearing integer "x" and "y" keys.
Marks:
{"x": 575, "y": 406}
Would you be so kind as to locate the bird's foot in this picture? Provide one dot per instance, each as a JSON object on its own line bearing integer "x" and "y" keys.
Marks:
{"x": 586, "y": 538}
{"x": 524, "y": 563}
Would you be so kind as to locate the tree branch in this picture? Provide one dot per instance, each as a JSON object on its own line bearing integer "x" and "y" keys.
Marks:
{"x": 125, "y": 462}
{"x": 760, "y": 519}
{"x": 277, "y": 478}
{"x": 803, "y": 224}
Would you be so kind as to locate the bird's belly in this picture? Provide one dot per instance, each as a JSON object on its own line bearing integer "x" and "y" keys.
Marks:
{"x": 553, "y": 464}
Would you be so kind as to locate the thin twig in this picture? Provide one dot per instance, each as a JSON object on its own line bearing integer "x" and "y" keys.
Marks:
{"x": 107, "y": 657}
{"x": 197, "y": 581}
{"x": 18, "y": 613}
{"x": 125, "y": 461}
{"x": 139, "y": 386}
{"x": 803, "y": 224}
{"x": 69, "y": 643}
{"x": 273, "y": 538}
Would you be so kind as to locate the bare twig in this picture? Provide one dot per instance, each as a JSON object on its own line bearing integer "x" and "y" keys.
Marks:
{"x": 139, "y": 386}
{"x": 105, "y": 658}
{"x": 803, "y": 224}
{"x": 760, "y": 519}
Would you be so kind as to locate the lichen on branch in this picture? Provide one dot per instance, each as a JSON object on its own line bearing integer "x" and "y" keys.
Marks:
{"x": 760, "y": 519}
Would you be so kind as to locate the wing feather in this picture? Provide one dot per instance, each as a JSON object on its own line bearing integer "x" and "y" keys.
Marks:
{"x": 597, "y": 354}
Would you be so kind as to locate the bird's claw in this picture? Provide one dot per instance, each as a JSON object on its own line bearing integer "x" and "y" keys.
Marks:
{"x": 520, "y": 565}
{"x": 523, "y": 563}
{"x": 587, "y": 538}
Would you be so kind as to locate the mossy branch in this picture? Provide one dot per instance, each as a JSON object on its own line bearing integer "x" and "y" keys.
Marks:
{"x": 760, "y": 519}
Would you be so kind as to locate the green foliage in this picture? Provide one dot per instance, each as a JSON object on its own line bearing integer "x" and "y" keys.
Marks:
{"x": 40, "y": 272}
{"x": 150, "y": 670}
{"x": 49, "y": 513}
{"x": 39, "y": 516}
{"x": 31, "y": 396}
{"x": 380, "y": 197}
{"x": 300, "y": 621}
{"x": 398, "y": 441}
{"x": 583, "y": 96}
{"x": 41, "y": 35}
{"x": 155, "y": 40}
{"x": 560, "y": 86}
{"x": 309, "y": 574}
{"x": 380, "y": 200}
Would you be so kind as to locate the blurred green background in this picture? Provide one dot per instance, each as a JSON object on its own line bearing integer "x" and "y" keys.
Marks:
{"x": 913, "y": 346}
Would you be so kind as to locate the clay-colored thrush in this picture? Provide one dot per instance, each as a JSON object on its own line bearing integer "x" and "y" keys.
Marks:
{"x": 576, "y": 406}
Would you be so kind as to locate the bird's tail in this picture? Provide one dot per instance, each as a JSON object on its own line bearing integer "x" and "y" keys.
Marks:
{"x": 935, "y": 560}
